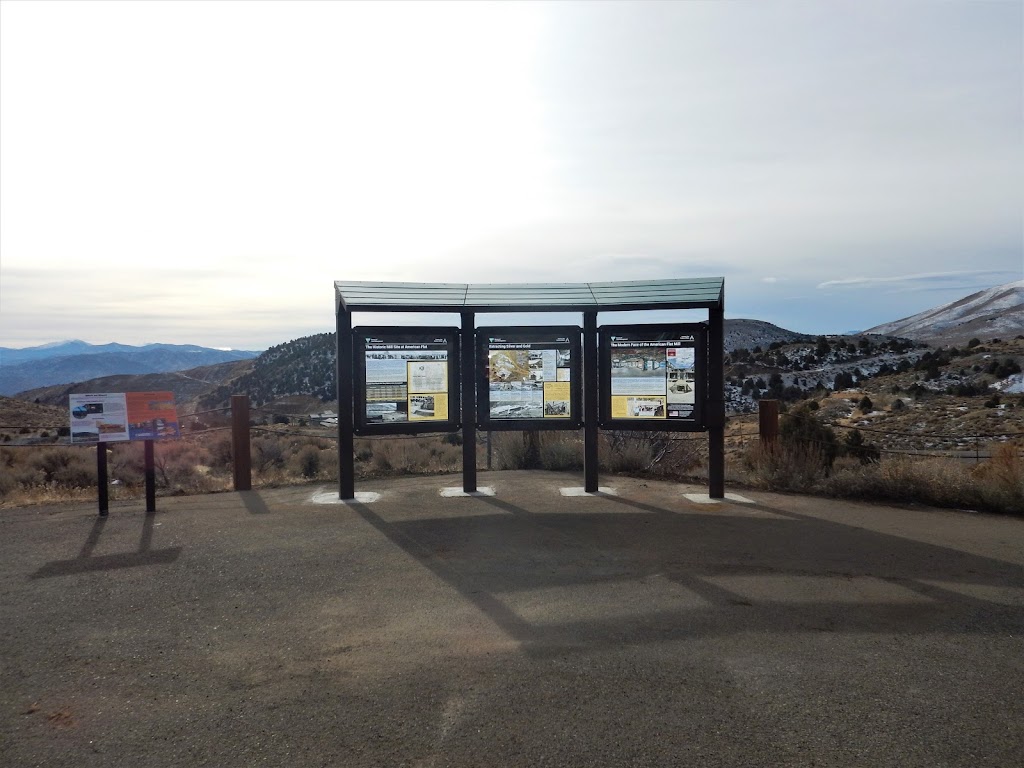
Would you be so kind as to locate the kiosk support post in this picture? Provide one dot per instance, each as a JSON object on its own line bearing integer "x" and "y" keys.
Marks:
{"x": 346, "y": 435}
{"x": 716, "y": 403}
{"x": 590, "y": 404}
{"x": 467, "y": 353}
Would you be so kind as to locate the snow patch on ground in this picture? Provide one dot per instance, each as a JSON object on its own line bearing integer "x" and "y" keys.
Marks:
{"x": 1012, "y": 385}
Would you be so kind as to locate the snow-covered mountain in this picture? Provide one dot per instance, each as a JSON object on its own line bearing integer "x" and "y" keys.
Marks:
{"x": 994, "y": 313}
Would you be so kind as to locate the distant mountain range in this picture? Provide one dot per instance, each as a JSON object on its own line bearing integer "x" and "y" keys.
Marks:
{"x": 993, "y": 313}
{"x": 76, "y": 361}
{"x": 305, "y": 367}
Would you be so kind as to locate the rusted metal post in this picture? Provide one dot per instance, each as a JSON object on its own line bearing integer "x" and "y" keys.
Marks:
{"x": 768, "y": 421}
{"x": 240, "y": 448}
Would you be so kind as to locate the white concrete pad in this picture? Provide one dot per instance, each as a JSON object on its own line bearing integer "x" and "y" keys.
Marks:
{"x": 602, "y": 490}
{"x": 331, "y": 497}
{"x": 739, "y": 499}
{"x": 703, "y": 498}
{"x": 451, "y": 492}
{"x": 700, "y": 498}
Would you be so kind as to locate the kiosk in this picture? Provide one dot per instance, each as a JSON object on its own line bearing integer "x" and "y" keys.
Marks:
{"x": 657, "y": 377}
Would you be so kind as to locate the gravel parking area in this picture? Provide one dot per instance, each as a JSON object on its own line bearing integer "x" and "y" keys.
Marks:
{"x": 524, "y": 629}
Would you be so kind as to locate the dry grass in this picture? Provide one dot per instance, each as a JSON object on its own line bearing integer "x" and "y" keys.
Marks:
{"x": 203, "y": 464}
{"x": 783, "y": 467}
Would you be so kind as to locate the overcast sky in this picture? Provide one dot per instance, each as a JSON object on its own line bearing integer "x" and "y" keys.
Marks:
{"x": 202, "y": 172}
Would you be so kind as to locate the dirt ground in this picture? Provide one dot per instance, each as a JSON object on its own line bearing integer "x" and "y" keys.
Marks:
{"x": 524, "y": 629}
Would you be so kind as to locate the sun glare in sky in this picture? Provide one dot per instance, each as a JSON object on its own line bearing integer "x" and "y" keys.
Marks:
{"x": 203, "y": 172}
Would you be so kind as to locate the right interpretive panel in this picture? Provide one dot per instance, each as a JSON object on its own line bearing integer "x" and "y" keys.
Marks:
{"x": 653, "y": 376}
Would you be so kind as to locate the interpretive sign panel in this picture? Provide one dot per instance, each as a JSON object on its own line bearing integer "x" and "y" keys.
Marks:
{"x": 653, "y": 376}
{"x": 107, "y": 417}
{"x": 531, "y": 377}
{"x": 406, "y": 380}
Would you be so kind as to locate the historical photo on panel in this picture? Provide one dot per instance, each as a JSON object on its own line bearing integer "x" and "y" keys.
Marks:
{"x": 638, "y": 371}
{"x": 681, "y": 380}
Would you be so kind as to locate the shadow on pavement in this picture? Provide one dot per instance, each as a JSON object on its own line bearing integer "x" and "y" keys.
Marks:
{"x": 85, "y": 561}
{"x": 731, "y": 574}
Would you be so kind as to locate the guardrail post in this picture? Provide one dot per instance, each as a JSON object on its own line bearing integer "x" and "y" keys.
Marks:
{"x": 240, "y": 446}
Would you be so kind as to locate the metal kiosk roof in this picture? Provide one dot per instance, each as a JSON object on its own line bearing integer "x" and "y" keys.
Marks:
{"x": 467, "y": 299}
{"x": 693, "y": 293}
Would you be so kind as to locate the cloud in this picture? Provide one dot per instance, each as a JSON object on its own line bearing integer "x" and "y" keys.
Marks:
{"x": 911, "y": 281}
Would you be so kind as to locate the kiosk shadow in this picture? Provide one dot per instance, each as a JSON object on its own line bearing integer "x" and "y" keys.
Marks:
{"x": 731, "y": 574}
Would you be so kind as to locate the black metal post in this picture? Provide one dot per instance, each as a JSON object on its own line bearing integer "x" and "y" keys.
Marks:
{"x": 346, "y": 422}
{"x": 101, "y": 478}
{"x": 716, "y": 402}
{"x": 150, "y": 477}
{"x": 590, "y": 403}
{"x": 468, "y": 349}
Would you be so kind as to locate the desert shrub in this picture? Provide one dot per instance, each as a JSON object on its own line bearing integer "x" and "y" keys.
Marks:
{"x": 59, "y": 467}
{"x": 76, "y": 475}
{"x": 1001, "y": 479}
{"x": 221, "y": 453}
{"x": 802, "y": 431}
{"x": 308, "y": 460}
{"x": 8, "y": 483}
{"x": 856, "y": 447}
{"x": 125, "y": 464}
{"x": 363, "y": 451}
{"x": 626, "y": 451}
{"x": 268, "y": 453}
{"x": 509, "y": 450}
{"x": 561, "y": 452}
{"x": 939, "y": 482}
{"x": 53, "y": 461}
{"x": 781, "y": 466}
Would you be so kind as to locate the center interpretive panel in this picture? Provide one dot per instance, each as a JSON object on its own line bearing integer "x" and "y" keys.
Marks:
{"x": 653, "y": 376}
{"x": 530, "y": 377}
{"x": 406, "y": 380}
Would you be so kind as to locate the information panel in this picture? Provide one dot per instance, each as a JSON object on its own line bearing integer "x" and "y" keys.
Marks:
{"x": 406, "y": 380}
{"x": 653, "y": 376}
{"x": 107, "y": 417}
{"x": 531, "y": 377}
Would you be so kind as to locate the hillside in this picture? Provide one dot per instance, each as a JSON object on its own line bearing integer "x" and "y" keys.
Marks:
{"x": 76, "y": 361}
{"x": 747, "y": 334}
{"x": 994, "y": 313}
{"x": 187, "y": 386}
{"x": 303, "y": 366}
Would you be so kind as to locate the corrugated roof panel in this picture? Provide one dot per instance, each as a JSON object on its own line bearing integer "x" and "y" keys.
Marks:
{"x": 676, "y": 293}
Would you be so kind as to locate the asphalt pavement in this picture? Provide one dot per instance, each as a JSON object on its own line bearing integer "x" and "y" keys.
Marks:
{"x": 528, "y": 628}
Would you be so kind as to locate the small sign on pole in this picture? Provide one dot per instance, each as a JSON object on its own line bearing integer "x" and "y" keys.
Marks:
{"x": 110, "y": 417}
